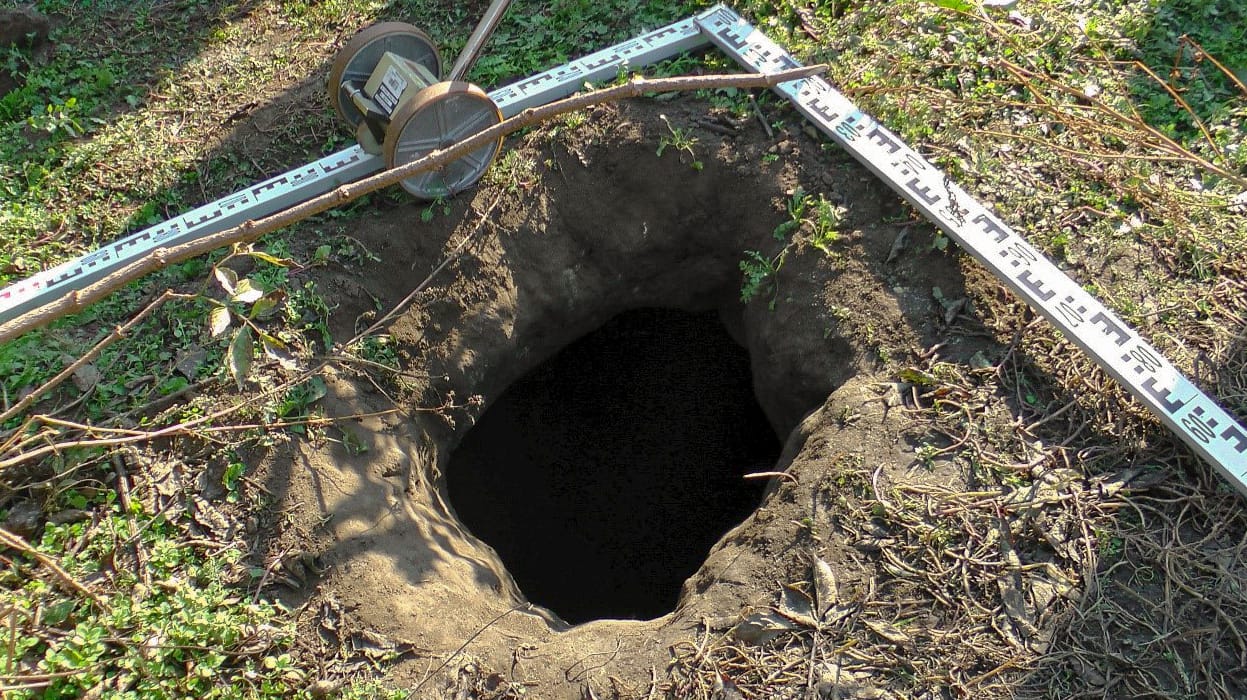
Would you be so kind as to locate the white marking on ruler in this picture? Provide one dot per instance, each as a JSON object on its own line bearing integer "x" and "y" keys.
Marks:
{"x": 1212, "y": 432}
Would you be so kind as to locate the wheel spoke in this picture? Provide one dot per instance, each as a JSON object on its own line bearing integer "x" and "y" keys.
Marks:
{"x": 408, "y": 150}
{"x": 469, "y": 126}
{"x": 474, "y": 161}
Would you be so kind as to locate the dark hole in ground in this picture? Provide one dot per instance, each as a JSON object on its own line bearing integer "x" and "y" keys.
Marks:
{"x": 603, "y": 477}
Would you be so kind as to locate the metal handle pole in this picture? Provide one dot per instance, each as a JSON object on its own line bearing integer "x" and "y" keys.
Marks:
{"x": 480, "y": 35}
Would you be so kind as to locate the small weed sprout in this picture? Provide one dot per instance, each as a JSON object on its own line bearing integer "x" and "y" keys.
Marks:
{"x": 680, "y": 140}
{"x": 514, "y": 171}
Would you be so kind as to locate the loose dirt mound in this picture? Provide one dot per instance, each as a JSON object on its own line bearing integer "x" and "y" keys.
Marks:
{"x": 573, "y": 233}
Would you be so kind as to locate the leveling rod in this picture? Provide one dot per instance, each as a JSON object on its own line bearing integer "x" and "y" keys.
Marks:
{"x": 1209, "y": 430}
{"x": 1190, "y": 413}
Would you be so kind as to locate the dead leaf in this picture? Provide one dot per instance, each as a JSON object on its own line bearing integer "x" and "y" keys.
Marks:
{"x": 86, "y": 377}
{"x": 795, "y": 605}
{"x": 726, "y": 688}
{"x": 898, "y": 245}
{"x": 762, "y": 627}
{"x": 888, "y": 631}
{"x": 189, "y": 362}
{"x": 69, "y": 515}
{"x": 826, "y": 593}
{"x": 207, "y": 515}
{"x": 952, "y": 309}
{"x": 280, "y": 355}
{"x": 1238, "y": 205}
{"x": 1015, "y": 608}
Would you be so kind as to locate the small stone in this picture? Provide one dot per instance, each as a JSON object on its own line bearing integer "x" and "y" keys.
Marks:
{"x": 324, "y": 688}
{"x": 784, "y": 147}
{"x": 69, "y": 515}
{"x": 24, "y": 519}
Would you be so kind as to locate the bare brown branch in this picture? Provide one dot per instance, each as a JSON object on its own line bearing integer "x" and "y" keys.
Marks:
{"x": 250, "y": 230}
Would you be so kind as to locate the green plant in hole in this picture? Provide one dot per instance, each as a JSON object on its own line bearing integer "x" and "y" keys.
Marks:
{"x": 759, "y": 272}
{"x": 819, "y": 217}
{"x": 1110, "y": 546}
{"x": 232, "y": 478}
{"x": 377, "y": 349}
{"x": 427, "y": 214}
{"x": 926, "y": 453}
{"x": 679, "y": 139}
{"x": 298, "y": 400}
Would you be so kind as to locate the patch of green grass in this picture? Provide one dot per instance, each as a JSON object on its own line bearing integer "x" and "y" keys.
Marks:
{"x": 1181, "y": 43}
{"x": 178, "y": 629}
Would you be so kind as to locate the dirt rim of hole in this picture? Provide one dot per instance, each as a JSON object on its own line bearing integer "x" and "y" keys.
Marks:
{"x": 577, "y": 230}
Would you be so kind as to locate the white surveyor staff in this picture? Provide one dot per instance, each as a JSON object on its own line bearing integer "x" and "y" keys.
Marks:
{"x": 1190, "y": 413}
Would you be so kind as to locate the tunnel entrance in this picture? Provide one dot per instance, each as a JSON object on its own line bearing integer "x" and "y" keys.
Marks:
{"x": 603, "y": 477}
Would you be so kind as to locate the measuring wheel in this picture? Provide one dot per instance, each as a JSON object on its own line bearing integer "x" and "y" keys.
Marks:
{"x": 358, "y": 60}
{"x": 438, "y": 116}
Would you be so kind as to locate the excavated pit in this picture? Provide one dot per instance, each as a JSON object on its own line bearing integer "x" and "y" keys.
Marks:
{"x": 603, "y": 476}
{"x": 433, "y": 531}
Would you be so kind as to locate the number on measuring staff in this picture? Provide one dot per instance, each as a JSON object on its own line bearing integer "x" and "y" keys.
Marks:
{"x": 851, "y": 128}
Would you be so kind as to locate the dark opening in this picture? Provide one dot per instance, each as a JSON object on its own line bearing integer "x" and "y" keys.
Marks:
{"x": 603, "y": 477}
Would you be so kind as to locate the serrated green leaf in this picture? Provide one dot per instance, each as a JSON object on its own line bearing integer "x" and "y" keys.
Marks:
{"x": 246, "y": 292}
{"x": 239, "y": 359}
{"x": 218, "y": 320}
{"x": 227, "y": 278}
{"x": 782, "y": 231}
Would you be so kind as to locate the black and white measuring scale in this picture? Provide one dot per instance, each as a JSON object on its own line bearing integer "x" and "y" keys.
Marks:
{"x": 1195, "y": 417}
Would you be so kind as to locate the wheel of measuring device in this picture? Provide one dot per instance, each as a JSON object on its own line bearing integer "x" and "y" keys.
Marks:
{"x": 438, "y": 116}
{"x": 359, "y": 58}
